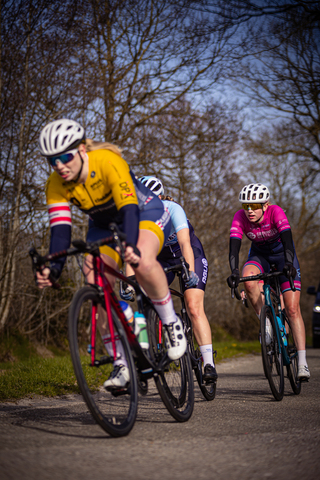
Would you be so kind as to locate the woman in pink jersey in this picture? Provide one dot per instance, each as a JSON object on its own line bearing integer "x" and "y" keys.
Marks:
{"x": 269, "y": 230}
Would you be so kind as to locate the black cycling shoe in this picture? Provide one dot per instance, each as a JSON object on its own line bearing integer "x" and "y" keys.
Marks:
{"x": 210, "y": 375}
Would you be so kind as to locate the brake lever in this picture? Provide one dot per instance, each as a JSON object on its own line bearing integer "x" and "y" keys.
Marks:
{"x": 292, "y": 286}
{"x": 55, "y": 285}
{"x": 237, "y": 294}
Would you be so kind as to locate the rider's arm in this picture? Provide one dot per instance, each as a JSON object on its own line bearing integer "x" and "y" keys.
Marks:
{"x": 283, "y": 227}
{"x": 60, "y": 240}
{"x": 234, "y": 249}
{"x": 60, "y": 222}
{"x": 287, "y": 242}
{"x": 236, "y": 234}
{"x": 130, "y": 216}
{"x": 183, "y": 237}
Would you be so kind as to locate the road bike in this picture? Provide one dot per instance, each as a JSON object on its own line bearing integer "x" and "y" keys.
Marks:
{"x": 99, "y": 333}
{"x": 277, "y": 343}
{"x": 208, "y": 389}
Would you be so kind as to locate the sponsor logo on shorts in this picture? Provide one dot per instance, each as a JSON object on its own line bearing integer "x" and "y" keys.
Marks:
{"x": 205, "y": 270}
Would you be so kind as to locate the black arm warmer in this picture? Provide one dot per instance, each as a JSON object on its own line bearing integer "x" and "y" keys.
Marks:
{"x": 287, "y": 242}
{"x": 60, "y": 240}
{"x": 130, "y": 219}
{"x": 234, "y": 249}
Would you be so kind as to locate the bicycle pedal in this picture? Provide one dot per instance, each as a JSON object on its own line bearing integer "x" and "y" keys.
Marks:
{"x": 207, "y": 382}
{"x": 303, "y": 380}
{"x": 116, "y": 391}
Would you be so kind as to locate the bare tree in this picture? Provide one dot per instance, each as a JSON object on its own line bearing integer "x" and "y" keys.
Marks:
{"x": 29, "y": 56}
{"x": 282, "y": 79}
{"x": 118, "y": 65}
{"x": 140, "y": 57}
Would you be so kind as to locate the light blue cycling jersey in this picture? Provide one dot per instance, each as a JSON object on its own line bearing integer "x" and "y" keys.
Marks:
{"x": 178, "y": 220}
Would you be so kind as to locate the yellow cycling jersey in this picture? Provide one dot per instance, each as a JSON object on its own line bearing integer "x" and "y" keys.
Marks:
{"x": 109, "y": 186}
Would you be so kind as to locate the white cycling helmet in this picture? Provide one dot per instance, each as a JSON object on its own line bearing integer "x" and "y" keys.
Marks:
{"x": 60, "y": 136}
{"x": 153, "y": 183}
{"x": 254, "y": 193}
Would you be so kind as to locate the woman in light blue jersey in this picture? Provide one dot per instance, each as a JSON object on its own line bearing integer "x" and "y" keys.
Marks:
{"x": 182, "y": 241}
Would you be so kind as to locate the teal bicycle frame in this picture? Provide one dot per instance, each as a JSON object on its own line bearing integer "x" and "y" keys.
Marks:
{"x": 287, "y": 351}
{"x": 268, "y": 294}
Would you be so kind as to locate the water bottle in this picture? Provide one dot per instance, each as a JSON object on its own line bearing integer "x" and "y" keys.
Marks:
{"x": 128, "y": 313}
{"x": 282, "y": 331}
{"x": 140, "y": 320}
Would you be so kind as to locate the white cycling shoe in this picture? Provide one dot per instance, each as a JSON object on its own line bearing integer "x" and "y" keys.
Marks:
{"x": 175, "y": 339}
{"x": 119, "y": 378}
{"x": 303, "y": 373}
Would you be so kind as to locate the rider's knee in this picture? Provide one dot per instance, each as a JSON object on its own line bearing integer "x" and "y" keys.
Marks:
{"x": 195, "y": 309}
{"x": 146, "y": 266}
{"x": 251, "y": 287}
{"x": 293, "y": 310}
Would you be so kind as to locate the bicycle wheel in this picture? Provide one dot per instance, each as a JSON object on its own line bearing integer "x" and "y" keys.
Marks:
{"x": 175, "y": 381}
{"x": 208, "y": 390}
{"x": 271, "y": 354}
{"x": 114, "y": 411}
{"x": 292, "y": 369}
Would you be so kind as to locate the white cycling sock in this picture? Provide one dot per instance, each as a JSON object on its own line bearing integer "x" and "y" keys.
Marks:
{"x": 164, "y": 308}
{"x": 207, "y": 354}
{"x": 120, "y": 351}
{"x": 302, "y": 358}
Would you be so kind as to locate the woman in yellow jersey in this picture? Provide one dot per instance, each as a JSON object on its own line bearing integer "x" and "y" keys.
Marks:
{"x": 94, "y": 177}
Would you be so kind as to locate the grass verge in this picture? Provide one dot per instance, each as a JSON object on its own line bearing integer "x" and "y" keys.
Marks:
{"x": 25, "y": 373}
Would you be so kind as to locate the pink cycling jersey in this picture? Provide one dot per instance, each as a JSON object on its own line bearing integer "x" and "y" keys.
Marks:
{"x": 266, "y": 232}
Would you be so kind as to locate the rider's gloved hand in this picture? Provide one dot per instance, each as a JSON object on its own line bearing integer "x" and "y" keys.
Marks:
{"x": 234, "y": 278}
{"x": 193, "y": 280}
{"x": 128, "y": 293}
{"x": 289, "y": 270}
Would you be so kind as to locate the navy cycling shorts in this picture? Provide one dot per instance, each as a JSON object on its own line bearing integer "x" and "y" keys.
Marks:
{"x": 168, "y": 258}
{"x": 264, "y": 260}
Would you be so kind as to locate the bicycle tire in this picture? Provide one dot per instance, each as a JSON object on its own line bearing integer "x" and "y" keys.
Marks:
{"x": 271, "y": 355}
{"x": 208, "y": 390}
{"x": 114, "y": 411}
{"x": 292, "y": 369}
{"x": 175, "y": 382}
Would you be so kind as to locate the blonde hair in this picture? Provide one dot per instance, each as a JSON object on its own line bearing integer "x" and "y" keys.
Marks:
{"x": 167, "y": 197}
{"x": 93, "y": 145}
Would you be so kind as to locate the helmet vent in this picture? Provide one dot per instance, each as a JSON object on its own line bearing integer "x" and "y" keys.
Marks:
{"x": 60, "y": 136}
{"x": 254, "y": 192}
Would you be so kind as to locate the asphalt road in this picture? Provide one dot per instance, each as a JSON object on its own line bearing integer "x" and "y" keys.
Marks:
{"x": 243, "y": 434}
